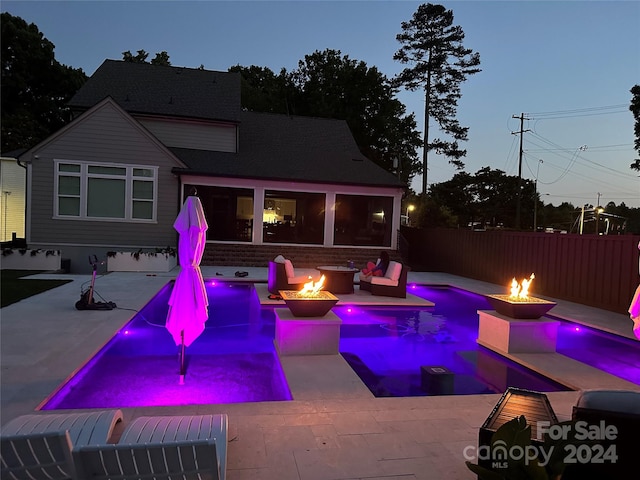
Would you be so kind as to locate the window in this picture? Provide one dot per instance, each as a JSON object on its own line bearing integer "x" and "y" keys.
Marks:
{"x": 105, "y": 191}
{"x": 229, "y": 212}
{"x": 363, "y": 220}
{"x": 293, "y": 217}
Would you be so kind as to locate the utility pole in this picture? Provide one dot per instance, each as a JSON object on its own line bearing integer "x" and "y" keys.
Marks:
{"x": 519, "y": 192}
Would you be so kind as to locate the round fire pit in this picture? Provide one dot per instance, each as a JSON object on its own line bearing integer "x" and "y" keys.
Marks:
{"x": 526, "y": 308}
{"x": 314, "y": 305}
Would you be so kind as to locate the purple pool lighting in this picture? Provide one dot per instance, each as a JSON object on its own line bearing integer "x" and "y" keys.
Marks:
{"x": 233, "y": 361}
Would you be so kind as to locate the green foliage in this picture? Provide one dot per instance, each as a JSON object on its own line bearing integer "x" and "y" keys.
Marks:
{"x": 35, "y": 87}
{"x": 438, "y": 63}
{"x": 161, "y": 58}
{"x": 264, "y": 91}
{"x": 516, "y": 434}
{"x": 488, "y": 197}
{"x": 166, "y": 251}
{"x": 330, "y": 85}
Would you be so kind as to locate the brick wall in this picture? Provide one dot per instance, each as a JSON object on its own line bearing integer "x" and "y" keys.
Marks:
{"x": 301, "y": 256}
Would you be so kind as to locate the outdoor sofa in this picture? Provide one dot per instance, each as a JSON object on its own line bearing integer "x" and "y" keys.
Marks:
{"x": 38, "y": 446}
{"x": 392, "y": 284}
{"x": 187, "y": 447}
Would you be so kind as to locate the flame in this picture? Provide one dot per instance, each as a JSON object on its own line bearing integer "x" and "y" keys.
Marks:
{"x": 312, "y": 288}
{"x": 521, "y": 290}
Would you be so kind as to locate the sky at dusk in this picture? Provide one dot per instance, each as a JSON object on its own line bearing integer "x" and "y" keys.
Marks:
{"x": 567, "y": 65}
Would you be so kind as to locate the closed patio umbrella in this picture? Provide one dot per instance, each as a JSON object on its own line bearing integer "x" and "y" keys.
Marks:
{"x": 188, "y": 304}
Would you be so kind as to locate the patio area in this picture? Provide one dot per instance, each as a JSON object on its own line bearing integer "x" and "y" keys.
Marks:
{"x": 333, "y": 429}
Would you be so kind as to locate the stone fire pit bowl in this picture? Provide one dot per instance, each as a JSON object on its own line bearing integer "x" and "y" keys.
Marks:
{"x": 317, "y": 305}
{"x": 529, "y": 308}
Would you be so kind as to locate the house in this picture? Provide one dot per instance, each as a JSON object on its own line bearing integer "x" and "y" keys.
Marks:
{"x": 143, "y": 136}
{"x": 12, "y": 197}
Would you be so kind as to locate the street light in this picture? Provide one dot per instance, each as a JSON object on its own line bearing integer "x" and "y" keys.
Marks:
{"x": 599, "y": 210}
{"x": 410, "y": 208}
{"x": 535, "y": 199}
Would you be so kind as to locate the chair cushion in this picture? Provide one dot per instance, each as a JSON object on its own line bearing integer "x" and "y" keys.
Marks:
{"x": 622, "y": 401}
{"x": 279, "y": 259}
{"x": 393, "y": 271}
{"x": 384, "y": 281}
{"x": 288, "y": 267}
{"x": 299, "y": 279}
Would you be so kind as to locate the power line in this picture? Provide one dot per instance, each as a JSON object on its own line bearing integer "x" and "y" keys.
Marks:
{"x": 621, "y": 147}
{"x": 578, "y": 156}
{"x": 580, "y": 112}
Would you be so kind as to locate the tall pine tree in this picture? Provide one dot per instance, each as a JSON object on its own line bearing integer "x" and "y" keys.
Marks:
{"x": 438, "y": 63}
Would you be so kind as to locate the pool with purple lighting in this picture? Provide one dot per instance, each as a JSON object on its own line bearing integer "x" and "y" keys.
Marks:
{"x": 235, "y": 361}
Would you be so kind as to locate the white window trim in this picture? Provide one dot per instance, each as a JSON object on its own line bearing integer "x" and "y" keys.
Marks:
{"x": 84, "y": 186}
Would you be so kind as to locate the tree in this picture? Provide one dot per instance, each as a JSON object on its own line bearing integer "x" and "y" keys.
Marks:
{"x": 433, "y": 47}
{"x": 635, "y": 109}
{"x": 488, "y": 197}
{"x": 330, "y": 85}
{"x": 335, "y": 86}
{"x": 141, "y": 56}
{"x": 35, "y": 87}
{"x": 162, "y": 59}
{"x": 264, "y": 91}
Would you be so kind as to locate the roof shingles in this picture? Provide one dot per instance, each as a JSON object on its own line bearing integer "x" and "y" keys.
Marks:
{"x": 150, "y": 89}
{"x": 271, "y": 146}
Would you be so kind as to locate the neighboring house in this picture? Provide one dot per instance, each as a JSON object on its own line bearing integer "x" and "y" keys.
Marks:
{"x": 12, "y": 197}
{"x": 144, "y": 136}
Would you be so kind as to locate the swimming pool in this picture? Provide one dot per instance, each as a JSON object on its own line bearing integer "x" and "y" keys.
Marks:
{"x": 234, "y": 360}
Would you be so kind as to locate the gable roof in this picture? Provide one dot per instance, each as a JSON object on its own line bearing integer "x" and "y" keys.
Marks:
{"x": 108, "y": 102}
{"x": 174, "y": 91}
{"x": 281, "y": 147}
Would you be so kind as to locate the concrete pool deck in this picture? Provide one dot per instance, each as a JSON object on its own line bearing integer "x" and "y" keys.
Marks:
{"x": 333, "y": 429}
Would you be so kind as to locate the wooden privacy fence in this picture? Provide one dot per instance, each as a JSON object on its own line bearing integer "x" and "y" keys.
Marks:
{"x": 599, "y": 271}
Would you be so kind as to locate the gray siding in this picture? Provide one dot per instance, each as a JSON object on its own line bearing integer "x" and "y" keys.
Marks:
{"x": 198, "y": 136}
{"x": 103, "y": 135}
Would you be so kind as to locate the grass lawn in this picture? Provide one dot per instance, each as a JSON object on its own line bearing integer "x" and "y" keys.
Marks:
{"x": 13, "y": 288}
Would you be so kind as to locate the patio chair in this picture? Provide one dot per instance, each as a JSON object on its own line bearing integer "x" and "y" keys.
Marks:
{"x": 36, "y": 456}
{"x": 38, "y": 446}
{"x": 85, "y": 428}
{"x": 185, "y": 460}
{"x": 392, "y": 284}
{"x": 182, "y": 430}
{"x": 282, "y": 276}
{"x": 617, "y": 410}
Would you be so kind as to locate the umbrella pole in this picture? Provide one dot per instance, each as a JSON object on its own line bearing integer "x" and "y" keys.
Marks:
{"x": 182, "y": 372}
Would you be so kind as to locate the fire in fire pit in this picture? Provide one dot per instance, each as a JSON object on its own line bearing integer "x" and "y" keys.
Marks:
{"x": 310, "y": 301}
{"x": 519, "y": 304}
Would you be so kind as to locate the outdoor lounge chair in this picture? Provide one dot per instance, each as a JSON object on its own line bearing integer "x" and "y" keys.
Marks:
{"x": 619, "y": 411}
{"x": 282, "y": 277}
{"x": 392, "y": 284}
{"x": 180, "y": 431}
{"x": 186, "y": 460}
{"x": 85, "y": 428}
{"x": 36, "y": 456}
